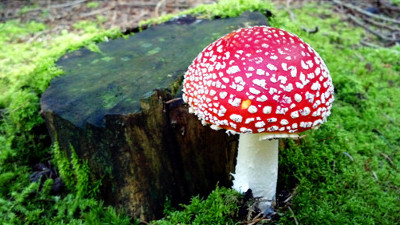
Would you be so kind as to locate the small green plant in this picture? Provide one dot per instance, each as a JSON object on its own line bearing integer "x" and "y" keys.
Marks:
{"x": 93, "y": 4}
{"x": 101, "y": 19}
{"x": 27, "y": 9}
{"x": 395, "y": 2}
{"x": 219, "y": 207}
{"x": 75, "y": 173}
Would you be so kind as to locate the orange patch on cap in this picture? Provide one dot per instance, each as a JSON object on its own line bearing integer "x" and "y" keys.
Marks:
{"x": 245, "y": 104}
{"x": 226, "y": 37}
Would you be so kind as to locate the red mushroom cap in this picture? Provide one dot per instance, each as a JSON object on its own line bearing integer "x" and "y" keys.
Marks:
{"x": 259, "y": 80}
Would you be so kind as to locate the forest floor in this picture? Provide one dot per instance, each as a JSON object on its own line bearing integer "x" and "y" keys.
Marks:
{"x": 125, "y": 15}
{"x": 63, "y": 14}
{"x": 379, "y": 18}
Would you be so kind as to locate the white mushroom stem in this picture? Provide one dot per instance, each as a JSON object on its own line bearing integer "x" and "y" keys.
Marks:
{"x": 257, "y": 167}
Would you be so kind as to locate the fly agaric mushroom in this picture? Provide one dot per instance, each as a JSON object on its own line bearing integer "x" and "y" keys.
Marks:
{"x": 266, "y": 84}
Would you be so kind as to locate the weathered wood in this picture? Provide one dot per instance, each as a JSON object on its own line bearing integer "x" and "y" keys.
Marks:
{"x": 113, "y": 107}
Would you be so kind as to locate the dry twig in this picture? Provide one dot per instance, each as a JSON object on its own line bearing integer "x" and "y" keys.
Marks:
{"x": 382, "y": 26}
{"x": 291, "y": 14}
{"x": 376, "y": 33}
{"x": 294, "y": 216}
{"x": 369, "y": 44}
{"x": 157, "y": 9}
{"x": 364, "y": 12}
{"x": 310, "y": 31}
{"x": 67, "y": 4}
{"x": 294, "y": 192}
{"x": 374, "y": 175}
{"x": 91, "y": 13}
{"x": 255, "y": 220}
{"x": 348, "y": 156}
{"x": 379, "y": 24}
{"x": 388, "y": 6}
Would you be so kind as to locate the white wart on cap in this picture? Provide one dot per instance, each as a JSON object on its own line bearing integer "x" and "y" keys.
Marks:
{"x": 259, "y": 80}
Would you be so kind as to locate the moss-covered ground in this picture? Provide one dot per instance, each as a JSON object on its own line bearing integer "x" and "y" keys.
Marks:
{"x": 346, "y": 172}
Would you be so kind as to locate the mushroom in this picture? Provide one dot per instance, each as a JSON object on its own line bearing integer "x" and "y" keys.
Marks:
{"x": 264, "y": 83}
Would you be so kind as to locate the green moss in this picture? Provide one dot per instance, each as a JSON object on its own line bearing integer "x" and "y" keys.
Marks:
{"x": 395, "y": 2}
{"x": 92, "y": 4}
{"x": 28, "y": 8}
{"x": 223, "y": 8}
{"x": 26, "y": 68}
{"x": 219, "y": 208}
{"x": 347, "y": 171}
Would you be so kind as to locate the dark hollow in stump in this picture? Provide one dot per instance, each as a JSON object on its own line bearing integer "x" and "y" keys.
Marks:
{"x": 113, "y": 108}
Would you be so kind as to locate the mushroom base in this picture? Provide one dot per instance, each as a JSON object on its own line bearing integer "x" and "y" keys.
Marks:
{"x": 257, "y": 168}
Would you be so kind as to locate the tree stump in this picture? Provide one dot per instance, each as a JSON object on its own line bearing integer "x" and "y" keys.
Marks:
{"x": 113, "y": 107}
